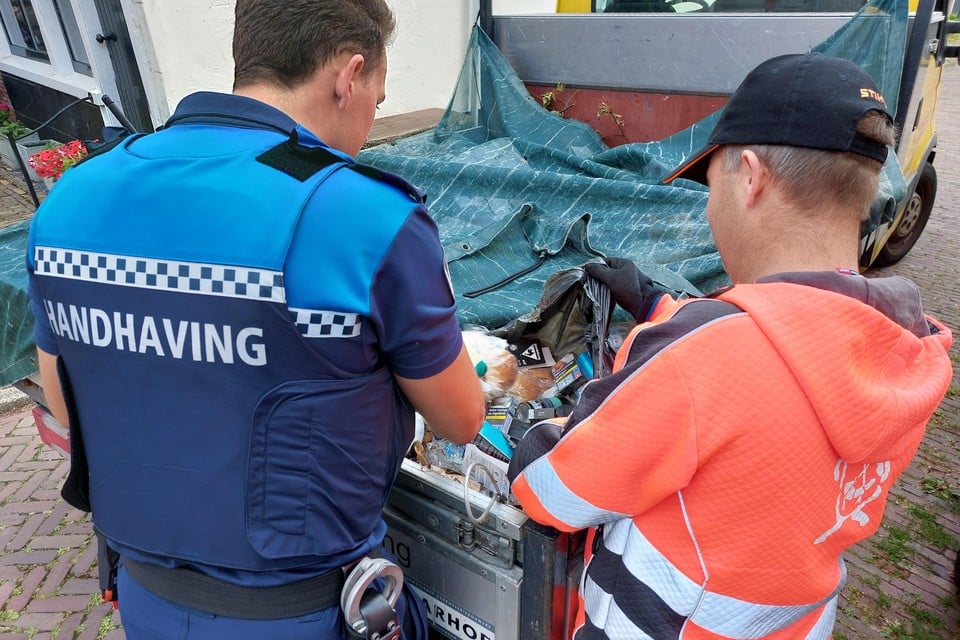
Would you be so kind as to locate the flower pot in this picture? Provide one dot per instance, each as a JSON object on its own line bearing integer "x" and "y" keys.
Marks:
{"x": 29, "y": 147}
{"x": 8, "y": 153}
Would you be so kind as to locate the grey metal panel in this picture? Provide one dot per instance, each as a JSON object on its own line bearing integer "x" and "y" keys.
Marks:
{"x": 467, "y": 598}
{"x": 705, "y": 54}
{"x": 503, "y": 519}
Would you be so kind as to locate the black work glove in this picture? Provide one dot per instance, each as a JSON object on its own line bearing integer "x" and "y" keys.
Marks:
{"x": 629, "y": 287}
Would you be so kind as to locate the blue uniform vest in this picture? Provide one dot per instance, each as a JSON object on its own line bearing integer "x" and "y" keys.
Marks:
{"x": 216, "y": 435}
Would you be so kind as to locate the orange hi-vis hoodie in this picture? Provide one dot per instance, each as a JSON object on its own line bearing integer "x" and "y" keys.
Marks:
{"x": 743, "y": 442}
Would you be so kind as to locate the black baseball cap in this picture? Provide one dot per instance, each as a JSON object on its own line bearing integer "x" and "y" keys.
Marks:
{"x": 798, "y": 100}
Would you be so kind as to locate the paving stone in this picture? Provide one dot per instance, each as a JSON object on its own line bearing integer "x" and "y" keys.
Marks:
{"x": 69, "y": 625}
{"x": 88, "y": 557}
{"x": 28, "y": 557}
{"x": 6, "y": 535}
{"x": 27, "y": 530}
{"x": 59, "y": 603}
{"x": 32, "y": 481}
{"x": 9, "y": 487}
{"x": 33, "y": 506}
{"x": 58, "y": 573}
{"x": 79, "y": 586}
{"x": 91, "y": 625}
{"x": 12, "y": 519}
{"x": 10, "y": 455}
{"x": 42, "y": 621}
{"x": 57, "y": 542}
{"x": 27, "y": 586}
{"x": 6, "y": 590}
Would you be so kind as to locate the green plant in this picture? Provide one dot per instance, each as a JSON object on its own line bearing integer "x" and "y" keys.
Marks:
{"x": 106, "y": 626}
{"x": 551, "y": 100}
{"x": 939, "y": 487}
{"x": 9, "y": 124}
{"x": 895, "y": 545}
{"x": 931, "y": 530}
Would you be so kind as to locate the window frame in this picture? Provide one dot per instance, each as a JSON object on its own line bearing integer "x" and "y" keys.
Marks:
{"x": 12, "y": 27}
{"x": 59, "y": 72}
{"x": 73, "y": 37}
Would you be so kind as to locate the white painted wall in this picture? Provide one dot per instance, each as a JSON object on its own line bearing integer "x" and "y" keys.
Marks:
{"x": 182, "y": 46}
{"x": 427, "y": 53}
{"x": 186, "y": 46}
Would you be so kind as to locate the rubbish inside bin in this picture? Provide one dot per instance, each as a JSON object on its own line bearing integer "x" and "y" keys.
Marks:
{"x": 533, "y": 369}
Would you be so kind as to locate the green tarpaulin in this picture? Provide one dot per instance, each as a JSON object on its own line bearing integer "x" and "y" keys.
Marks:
{"x": 17, "y": 353}
{"x": 512, "y": 186}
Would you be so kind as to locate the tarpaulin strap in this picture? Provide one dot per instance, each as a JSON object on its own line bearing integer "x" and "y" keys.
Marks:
{"x": 510, "y": 278}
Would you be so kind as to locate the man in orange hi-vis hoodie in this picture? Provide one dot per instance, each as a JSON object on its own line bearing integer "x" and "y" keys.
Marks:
{"x": 746, "y": 439}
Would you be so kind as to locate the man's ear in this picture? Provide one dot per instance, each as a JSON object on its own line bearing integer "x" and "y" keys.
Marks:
{"x": 348, "y": 74}
{"x": 753, "y": 175}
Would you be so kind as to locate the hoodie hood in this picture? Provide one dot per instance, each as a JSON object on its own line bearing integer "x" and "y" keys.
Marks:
{"x": 872, "y": 365}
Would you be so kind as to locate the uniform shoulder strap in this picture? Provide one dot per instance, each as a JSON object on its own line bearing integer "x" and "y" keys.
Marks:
{"x": 299, "y": 161}
{"x": 303, "y": 162}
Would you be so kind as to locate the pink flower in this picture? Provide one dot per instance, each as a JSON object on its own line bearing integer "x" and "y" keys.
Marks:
{"x": 51, "y": 163}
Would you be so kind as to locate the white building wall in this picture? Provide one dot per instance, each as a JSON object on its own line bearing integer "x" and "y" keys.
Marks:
{"x": 186, "y": 47}
{"x": 427, "y": 53}
{"x": 181, "y": 46}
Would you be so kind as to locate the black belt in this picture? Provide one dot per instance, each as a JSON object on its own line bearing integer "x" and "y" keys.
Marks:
{"x": 197, "y": 590}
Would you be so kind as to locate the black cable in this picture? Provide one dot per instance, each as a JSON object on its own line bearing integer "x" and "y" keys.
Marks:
{"x": 55, "y": 116}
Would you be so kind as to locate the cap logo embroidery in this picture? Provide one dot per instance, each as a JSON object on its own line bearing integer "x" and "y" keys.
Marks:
{"x": 876, "y": 95}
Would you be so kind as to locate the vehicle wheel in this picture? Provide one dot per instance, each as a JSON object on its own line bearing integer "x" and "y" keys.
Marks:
{"x": 914, "y": 219}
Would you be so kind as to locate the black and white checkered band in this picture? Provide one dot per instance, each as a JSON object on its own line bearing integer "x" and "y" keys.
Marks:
{"x": 326, "y": 324}
{"x": 168, "y": 275}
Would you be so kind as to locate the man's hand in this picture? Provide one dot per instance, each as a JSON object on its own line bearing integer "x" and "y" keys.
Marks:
{"x": 630, "y": 288}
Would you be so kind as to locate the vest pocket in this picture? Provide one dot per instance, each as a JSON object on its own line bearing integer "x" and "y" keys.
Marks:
{"x": 320, "y": 460}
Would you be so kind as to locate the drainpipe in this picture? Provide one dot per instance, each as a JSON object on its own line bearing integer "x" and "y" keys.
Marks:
{"x": 485, "y": 19}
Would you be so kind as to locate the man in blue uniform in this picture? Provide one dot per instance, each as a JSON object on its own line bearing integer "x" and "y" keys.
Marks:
{"x": 242, "y": 321}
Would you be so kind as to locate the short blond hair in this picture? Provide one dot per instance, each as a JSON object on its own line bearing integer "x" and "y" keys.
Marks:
{"x": 810, "y": 177}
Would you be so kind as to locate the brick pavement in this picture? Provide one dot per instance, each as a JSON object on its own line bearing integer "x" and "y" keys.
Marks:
{"x": 48, "y": 569}
{"x": 15, "y": 201}
{"x": 48, "y": 574}
{"x": 900, "y": 580}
